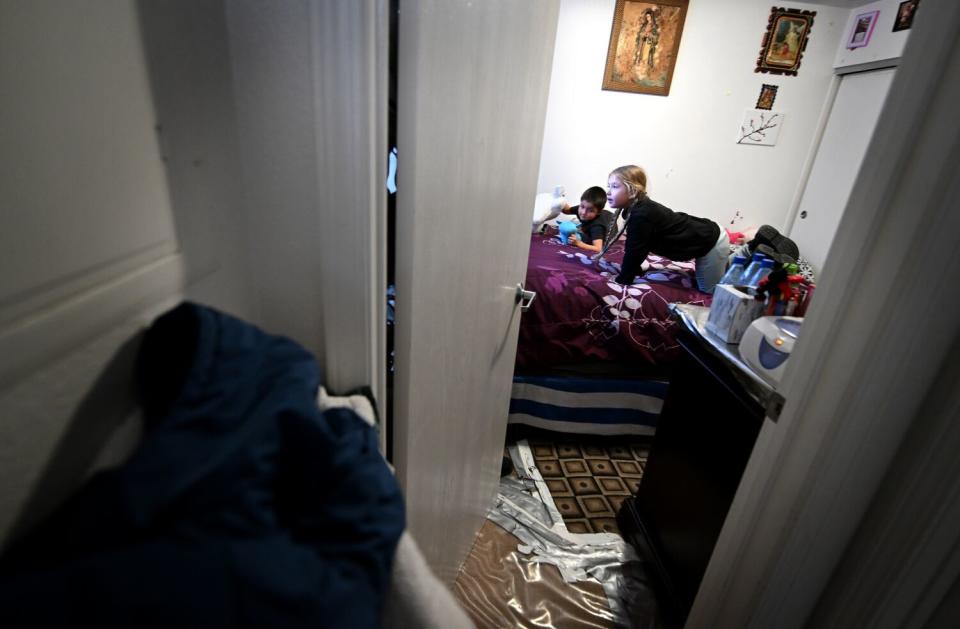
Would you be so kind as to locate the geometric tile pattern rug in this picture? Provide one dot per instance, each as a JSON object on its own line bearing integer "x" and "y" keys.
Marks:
{"x": 589, "y": 479}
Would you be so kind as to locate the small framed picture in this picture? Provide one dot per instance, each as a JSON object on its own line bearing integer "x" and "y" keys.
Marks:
{"x": 862, "y": 29}
{"x": 905, "y": 15}
{"x": 767, "y": 95}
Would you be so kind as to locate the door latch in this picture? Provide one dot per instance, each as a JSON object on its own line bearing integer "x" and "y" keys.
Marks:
{"x": 524, "y": 297}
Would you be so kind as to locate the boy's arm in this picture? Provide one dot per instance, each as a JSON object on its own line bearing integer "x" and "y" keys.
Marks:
{"x": 593, "y": 240}
{"x": 595, "y": 247}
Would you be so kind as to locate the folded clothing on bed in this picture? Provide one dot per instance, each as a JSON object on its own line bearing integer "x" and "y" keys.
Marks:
{"x": 244, "y": 505}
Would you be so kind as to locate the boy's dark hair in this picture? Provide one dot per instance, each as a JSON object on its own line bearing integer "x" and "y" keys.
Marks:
{"x": 595, "y": 196}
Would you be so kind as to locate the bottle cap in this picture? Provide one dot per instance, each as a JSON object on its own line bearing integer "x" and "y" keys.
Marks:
{"x": 739, "y": 259}
{"x": 767, "y": 262}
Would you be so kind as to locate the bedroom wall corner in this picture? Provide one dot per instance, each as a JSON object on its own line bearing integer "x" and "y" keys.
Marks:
{"x": 686, "y": 141}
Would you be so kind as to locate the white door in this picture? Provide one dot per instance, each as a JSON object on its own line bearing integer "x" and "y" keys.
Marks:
{"x": 119, "y": 197}
{"x": 849, "y": 129}
{"x": 89, "y": 246}
{"x": 472, "y": 93}
{"x": 230, "y": 153}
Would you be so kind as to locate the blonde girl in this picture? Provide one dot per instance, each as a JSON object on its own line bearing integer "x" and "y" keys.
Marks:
{"x": 654, "y": 228}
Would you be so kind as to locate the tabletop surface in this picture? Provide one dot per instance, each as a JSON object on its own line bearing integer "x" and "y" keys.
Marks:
{"x": 695, "y": 319}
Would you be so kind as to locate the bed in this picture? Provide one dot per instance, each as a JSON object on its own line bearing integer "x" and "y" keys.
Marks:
{"x": 594, "y": 356}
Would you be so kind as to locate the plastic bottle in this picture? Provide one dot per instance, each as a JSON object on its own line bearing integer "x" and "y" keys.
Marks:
{"x": 805, "y": 301}
{"x": 766, "y": 267}
{"x": 792, "y": 304}
{"x": 752, "y": 268}
{"x": 734, "y": 274}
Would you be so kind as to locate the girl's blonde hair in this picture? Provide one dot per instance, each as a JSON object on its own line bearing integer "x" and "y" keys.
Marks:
{"x": 634, "y": 179}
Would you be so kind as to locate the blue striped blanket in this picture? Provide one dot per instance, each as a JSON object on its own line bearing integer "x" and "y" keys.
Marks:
{"x": 587, "y": 405}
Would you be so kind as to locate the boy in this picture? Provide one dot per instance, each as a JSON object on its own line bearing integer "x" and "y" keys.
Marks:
{"x": 594, "y": 221}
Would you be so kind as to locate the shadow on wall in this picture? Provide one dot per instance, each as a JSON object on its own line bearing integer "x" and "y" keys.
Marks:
{"x": 187, "y": 56}
{"x": 109, "y": 405}
{"x": 188, "y": 75}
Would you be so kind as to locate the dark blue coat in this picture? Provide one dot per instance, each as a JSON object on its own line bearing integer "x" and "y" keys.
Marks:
{"x": 244, "y": 505}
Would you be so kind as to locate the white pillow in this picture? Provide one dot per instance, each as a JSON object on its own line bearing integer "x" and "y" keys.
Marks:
{"x": 547, "y": 206}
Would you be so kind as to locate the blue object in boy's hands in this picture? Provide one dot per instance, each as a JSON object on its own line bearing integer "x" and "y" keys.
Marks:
{"x": 566, "y": 229}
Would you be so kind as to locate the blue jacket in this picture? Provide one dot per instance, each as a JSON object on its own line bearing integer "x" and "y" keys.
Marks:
{"x": 244, "y": 505}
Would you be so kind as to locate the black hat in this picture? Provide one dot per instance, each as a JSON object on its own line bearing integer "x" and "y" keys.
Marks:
{"x": 768, "y": 251}
{"x": 785, "y": 250}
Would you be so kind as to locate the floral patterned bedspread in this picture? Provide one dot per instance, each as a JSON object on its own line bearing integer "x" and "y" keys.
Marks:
{"x": 581, "y": 316}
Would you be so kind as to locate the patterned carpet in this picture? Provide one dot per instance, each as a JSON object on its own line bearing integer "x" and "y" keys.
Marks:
{"x": 588, "y": 478}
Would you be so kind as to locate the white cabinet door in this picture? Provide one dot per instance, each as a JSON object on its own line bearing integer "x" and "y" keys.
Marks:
{"x": 473, "y": 82}
{"x": 849, "y": 129}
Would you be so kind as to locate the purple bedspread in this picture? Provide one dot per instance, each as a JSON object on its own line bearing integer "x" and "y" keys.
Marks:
{"x": 581, "y": 316}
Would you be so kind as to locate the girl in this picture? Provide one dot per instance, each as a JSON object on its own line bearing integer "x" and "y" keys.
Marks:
{"x": 653, "y": 228}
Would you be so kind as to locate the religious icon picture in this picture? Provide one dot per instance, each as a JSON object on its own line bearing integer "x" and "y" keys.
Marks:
{"x": 768, "y": 93}
{"x": 644, "y": 41}
{"x": 785, "y": 40}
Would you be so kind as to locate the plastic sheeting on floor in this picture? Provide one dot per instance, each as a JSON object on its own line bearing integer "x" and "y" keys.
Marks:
{"x": 498, "y": 587}
{"x": 526, "y": 570}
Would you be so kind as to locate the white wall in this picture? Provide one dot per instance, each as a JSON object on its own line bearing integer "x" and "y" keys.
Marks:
{"x": 885, "y": 45}
{"x": 187, "y": 50}
{"x": 686, "y": 141}
{"x": 270, "y": 57}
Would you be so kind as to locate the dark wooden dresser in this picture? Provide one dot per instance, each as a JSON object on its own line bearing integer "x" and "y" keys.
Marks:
{"x": 706, "y": 432}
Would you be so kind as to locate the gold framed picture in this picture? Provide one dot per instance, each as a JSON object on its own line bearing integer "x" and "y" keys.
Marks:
{"x": 785, "y": 40}
{"x": 905, "y": 14}
{"x": 644, "y": 41}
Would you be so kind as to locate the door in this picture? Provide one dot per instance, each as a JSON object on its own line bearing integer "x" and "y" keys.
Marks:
{"x": 229, "y": 153}
{"x": 89, "y": 244}
{"x": 849, "y": 129}
{"x": 472, "y": 92}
